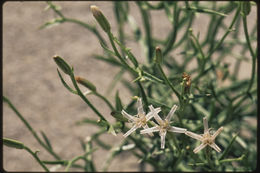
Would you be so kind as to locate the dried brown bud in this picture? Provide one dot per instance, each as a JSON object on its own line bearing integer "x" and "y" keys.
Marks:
{"x": 85, "y": 83}
{"x": 187, "y": 82}
{"x": 158, "y": 58}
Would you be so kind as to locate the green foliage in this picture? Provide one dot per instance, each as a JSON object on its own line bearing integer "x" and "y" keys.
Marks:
{"x": 198, "y": 91}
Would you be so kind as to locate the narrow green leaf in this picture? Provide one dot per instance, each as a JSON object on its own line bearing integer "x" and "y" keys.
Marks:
{"x": 82, "y": 144}
{"x": 115, "y": 80}
{"x": 13, "y": 143}
{"x": 233, "y": 159}
{"x": 110, "y": 52}
{"x": 227, "y": 149}
{"x": 204, "y": 10}
{"x": 55, "y": 162}
{"x": 242, "y": 142}
{"x": 47, "y": 141}
{"x": 168, "y": 11}
{"x": 118, "y": 116}
{"x": 136, "y": 29}
{"x": 201, "y": 109}
{"x": 158, "y": 103}
{"x": 103, "y": 123}
{"x": 88, "y": 121}
{"x": 127, "y": 51}
{"x": 65, "y": 84}
{"x": 51, "y": 23}
{"x": 111, "y": 61}
{"x": 152, "y": 78}
{"x": 102, "y": 144}
{"x": 119, "y": 106}
{"x": 53, "y": 6}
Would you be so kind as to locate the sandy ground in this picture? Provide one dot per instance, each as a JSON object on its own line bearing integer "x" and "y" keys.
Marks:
{"x": 31, "y": 82}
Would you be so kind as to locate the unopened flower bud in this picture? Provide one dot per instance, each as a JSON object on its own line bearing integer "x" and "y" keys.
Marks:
{"x": 13, "y": 143}
{"x": 85, "y": 83}
{"x": 100, "y": 18}
{"x": 62, "y": 64}
{"x": 158, "y": 58}
{"x": 186, "y": 82}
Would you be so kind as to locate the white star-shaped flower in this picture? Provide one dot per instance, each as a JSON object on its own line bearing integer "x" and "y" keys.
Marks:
{"x": 164, "y": 125}
{"x": 139, "y": 120}
{"x": 206, "y": 138}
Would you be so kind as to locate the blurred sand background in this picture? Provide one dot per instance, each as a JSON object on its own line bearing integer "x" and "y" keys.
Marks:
{"x": 31, "y": 82}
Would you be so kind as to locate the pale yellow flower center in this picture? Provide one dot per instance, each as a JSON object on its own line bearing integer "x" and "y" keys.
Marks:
{"x": 141, "y": 120}
{"x": 207, "y": 139}
{"x": 164, "y": 124}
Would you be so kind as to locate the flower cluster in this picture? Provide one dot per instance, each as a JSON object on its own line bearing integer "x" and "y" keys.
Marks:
{"x": 162, "y": 126}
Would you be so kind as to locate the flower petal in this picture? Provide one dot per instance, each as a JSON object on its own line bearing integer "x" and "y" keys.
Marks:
{"x": 155, "y": 114}
{"x": 150, "y": 130}
{"x": 128, "y": 116}
{"x": 215, "y": 147}
{"x": 130, "y": 131}
{"x": 170, "y": 114}
{"x": 146, "y": 127}
{"x": 163, "y": 134}
{"x": 194, "y": 135}
{"x": 217, "y": 133}
{"x": 205, "y": 123}
{"x": 151, "y": 113}
{"x": 177, "y": 129}
{"x": 140, "y": 107}
{"x": 200, "y": 147}
{"x": 149, "y": 116}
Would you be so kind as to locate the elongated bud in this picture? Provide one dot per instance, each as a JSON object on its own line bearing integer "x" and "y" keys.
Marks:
{"x": 85, "y": 83}
{"x": 158, "y": 57}
{"x": 118, "y": 116}
{"x": 186, "y": 82}
{"x": 62, "y": 64}
{"x": 13, "y": 143}
{"x": 100, "y": 18}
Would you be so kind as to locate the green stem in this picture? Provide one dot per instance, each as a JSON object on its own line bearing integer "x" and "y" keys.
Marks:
{"x": 84, "y": 98}
{"x": 225, "y": 35}
{"x": 175, "y": 142}
{"x": 208, "y": 155}
{"x": 87, "y": 26}
{"x": 148, "y": 37}
{"x": 105, "y": 100}
{"x": 144, "y": 97}
{"x": 36, "y": 158}
{"x": 111, "y": 39}
{"x": 232, "y": 160}
{"x": 168, "y": 82}
{"x": 219, "y": 43}
{"x": 251, "y": 52}
{"x": 54, "y": 9}
{"x": 172, "y": 37}
{"x": 72, "y": 161}
{"x": 30, "y": 128}
{"x": 155, "y": 6}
